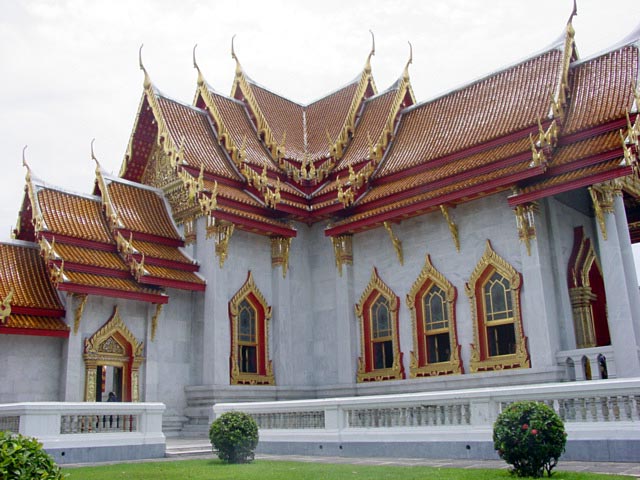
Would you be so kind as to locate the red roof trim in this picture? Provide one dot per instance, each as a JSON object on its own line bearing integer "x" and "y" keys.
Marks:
{"x": 475, "y": 190}
{"x": 93, "y": 269}
{"x": 162, "y": 262}
{"x": 571, "y": 185}
{"x": 108, "y": 292}
{"x": 34, "y": 332}
{"x": 166, "y": 282}
{"x": 150, "y": 238}
{"x": 254, "y": 225}
{"x": 78, "y": 242}
{"x": 38, "y": 312}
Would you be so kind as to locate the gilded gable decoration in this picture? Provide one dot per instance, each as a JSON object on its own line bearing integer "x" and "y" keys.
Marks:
{"x": 113, "y": 344}
{"x": 81, "y": 299}
{"x": 397, "y": 243}
{"x": 280, "y": 253}
{"x": 525, "y": 222}
{"x": 343, "y": 250}
{"x": 494, "y": 296}
{"x": 250, "y": 314}
{"x": 431, "y": 302}
{"x": 377, "y": 312}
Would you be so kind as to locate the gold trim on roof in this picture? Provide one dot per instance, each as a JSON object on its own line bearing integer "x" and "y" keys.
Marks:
{"x": 631, "y": 141}
{"x": 221, "y": 232}
{"x": 429, "y": 274}
{"x": 37, "y": 219}
{"x": 154, "y": 320}
{"x": 5, "y": 307}
{"x": 113, "y": 218}
{"x": 603, "y": 196}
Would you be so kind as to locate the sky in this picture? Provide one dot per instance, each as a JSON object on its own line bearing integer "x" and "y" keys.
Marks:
{"x": 69, "y": 68}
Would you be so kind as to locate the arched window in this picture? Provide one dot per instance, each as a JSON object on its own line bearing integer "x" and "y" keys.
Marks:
{"x": 377, "y": 312}
{"x": 494, "y": 294}
{"x": 249, "y": 315}
{"x": 586, "y": 290}
{"x": 431, "y": 302}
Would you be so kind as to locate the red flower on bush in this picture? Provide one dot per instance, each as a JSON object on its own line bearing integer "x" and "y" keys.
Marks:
{"x": 525, "y": 426}
{"x": 534, "y": 431}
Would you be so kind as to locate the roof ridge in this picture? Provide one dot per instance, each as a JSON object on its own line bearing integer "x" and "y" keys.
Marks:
{"x": 633, "y": 38}
{"x": 179, "y": 102}
{"x": 14, "y": 242}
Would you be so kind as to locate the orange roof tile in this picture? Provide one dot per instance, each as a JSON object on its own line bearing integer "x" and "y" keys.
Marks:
{"x": 372, "y": 122}
{"x": 327, "y": 115}
{"x": 200, "y": 146}
{"x": 283, "y": 116}
{"x": 106, "y": 282}
{"x": 235, "y": 119}
{"x": 142, "y": 209}
{"x": 73, "y": 215}
{"x": 602, "y": 89}
{"x": 173, "y": 274}
{"x": 587, "y": 148}
{"x": 33, "y": 322}
{"x": 164, "y": 252}
{"x": 502, "y": 103}
{"x": 90, "y": 256}
{"x": 23, "y": 270}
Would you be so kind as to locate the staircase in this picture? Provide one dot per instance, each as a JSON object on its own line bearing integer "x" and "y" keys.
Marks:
{"x": 188, "y": 447}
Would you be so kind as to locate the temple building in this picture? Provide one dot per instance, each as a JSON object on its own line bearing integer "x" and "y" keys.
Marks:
{"x": 254, "y": 248}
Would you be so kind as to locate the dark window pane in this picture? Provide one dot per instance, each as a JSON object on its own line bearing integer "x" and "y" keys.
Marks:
{"x": 383, "y": 355}
{"x": 381, "y": 321}
{"x": 248, "y": 362}
{"x": 247, "y": 323}
{"x": 438, "y": 348}
{"x": 435, "y": 314}
{"x": 501, "y": 340}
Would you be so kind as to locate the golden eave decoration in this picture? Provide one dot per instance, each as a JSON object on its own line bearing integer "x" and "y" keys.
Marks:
{"x": 429, "y": 275}
{"x": 77, "y": 316}
{"x": 520, "y": 359}
{"x": 630, "y": 140}
{"x": 560, "y": 98}
{"x": 343, "y": 250}
{"x": 525, "y": 222}
{"x": 603, "y": 197}
{"x": 453, "y": 228}
{"x": 377, "y": 287}
{"x": 397, "y": 243}
{"x": 221, "y": 232}
{"x": 249, "y": 289}
{"x": 5, "y": 307}
{"x": 280, "y": 253}
{"x": 37, "y": 219}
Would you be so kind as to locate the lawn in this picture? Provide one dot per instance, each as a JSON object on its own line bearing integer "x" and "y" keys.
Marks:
{"x": 276, "y": 470}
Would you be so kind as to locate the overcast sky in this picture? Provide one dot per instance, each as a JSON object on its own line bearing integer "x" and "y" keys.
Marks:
{"x": 69, "y": 68}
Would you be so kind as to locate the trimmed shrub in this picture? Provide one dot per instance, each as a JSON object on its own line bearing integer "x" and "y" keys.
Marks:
{"x": 235, "y": 436}
{"x": 23, "y": 457}
{"x": 531, "y": 437}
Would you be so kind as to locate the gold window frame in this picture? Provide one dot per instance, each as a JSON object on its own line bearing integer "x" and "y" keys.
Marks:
{"x": 429, "y": 274}
{"x": 109, "y": 346}
{"x": 480, "y": 360}
{"x": 250, "y": 291}
{"x": 375, "y": 288}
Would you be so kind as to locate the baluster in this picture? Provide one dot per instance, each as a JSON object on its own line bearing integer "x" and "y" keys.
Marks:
{"x": 615, "y": 409}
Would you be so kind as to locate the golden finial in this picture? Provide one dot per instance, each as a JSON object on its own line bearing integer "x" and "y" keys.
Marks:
{"x": 409, "y": 62}
{"x": 147, "y": 79}
{"x": 233, "y": 51}
{"x": 24, "y": 159}
{"x": 195, "y": 65}
{"x": 367, "y": 65}
{"x": 93, "y": 155}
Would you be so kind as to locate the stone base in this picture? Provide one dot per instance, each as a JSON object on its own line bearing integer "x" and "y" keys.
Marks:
{"x": 106, "y": 453}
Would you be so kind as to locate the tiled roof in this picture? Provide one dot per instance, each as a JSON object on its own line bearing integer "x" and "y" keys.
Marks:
{"x": 586, "y": 148}
{"x": 602, "y": 89}
{"x": 173, "y": 274}
{"x": 90, "y": 256}
{"x": 370, "y": 126}
{"x": 327, "y": 115}
{"x": 73, "y": 215}
{"x": 142, "y": 210}
{"x": 234, "y": 116}
{"x": 34, "y": 322}
{"x": 109, "y": 283}
{"x": 160, "y": 251}
{"x": 200, "y": 145}
{"x": 503, "y": 103}
{"x": 22, "y": 270}
{"x": 283, "y": 116}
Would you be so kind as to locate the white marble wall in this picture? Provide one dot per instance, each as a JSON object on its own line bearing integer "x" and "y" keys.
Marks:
{"x": 30, "y": 368}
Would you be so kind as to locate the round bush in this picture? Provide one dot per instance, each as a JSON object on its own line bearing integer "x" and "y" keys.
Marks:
{"x": 235, "y": 436}
{"x": 23, "y": 457}
{"x": 531, "y": 437}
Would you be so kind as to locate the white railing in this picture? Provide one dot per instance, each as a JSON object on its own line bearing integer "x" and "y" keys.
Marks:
{"x": 590, "y": 409}
{"x": 65, "y": 425}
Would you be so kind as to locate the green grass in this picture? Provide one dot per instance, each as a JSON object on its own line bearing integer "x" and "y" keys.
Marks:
{"x": 276, "y": 470}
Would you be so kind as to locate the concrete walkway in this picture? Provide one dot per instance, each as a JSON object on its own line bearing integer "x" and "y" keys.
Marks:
{"x": 184, "y": 448}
